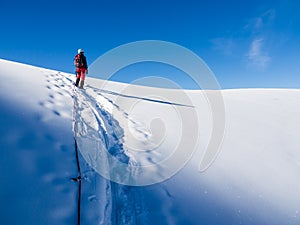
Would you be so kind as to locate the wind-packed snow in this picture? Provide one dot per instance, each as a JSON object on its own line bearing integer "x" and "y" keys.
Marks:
{"x": 137, "y": 135}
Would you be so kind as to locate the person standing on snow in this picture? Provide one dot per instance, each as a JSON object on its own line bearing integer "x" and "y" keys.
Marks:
{"x": 81, "y": 68}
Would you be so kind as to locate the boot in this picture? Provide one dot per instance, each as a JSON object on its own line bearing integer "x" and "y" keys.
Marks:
{"x": 81, "y": 84}
{"x": 77, "y": 82}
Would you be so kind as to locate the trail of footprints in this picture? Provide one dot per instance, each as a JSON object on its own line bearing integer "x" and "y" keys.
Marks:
{"x": 59, "y": 93}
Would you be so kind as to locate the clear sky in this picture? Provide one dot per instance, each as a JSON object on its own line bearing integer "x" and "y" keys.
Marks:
{"x": 245, "y": 43}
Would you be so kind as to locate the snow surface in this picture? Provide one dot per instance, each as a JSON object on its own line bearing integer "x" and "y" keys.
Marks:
{"x": 254, "y": 179}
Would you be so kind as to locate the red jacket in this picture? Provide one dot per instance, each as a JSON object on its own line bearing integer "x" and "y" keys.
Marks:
{"x": 80, "y": 61}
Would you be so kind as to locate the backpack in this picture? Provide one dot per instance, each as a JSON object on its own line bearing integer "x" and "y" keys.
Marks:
{"x": 78, "y": 62}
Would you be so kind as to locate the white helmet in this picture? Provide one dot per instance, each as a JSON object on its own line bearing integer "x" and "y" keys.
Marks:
{"x": 80, "y": 51}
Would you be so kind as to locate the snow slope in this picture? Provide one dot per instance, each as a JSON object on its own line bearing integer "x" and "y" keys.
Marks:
{"x": 156, "y": 139}
{"x": 36, "y": 147}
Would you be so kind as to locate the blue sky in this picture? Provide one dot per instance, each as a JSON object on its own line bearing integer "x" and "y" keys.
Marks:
{"x": 245, "y": 43}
